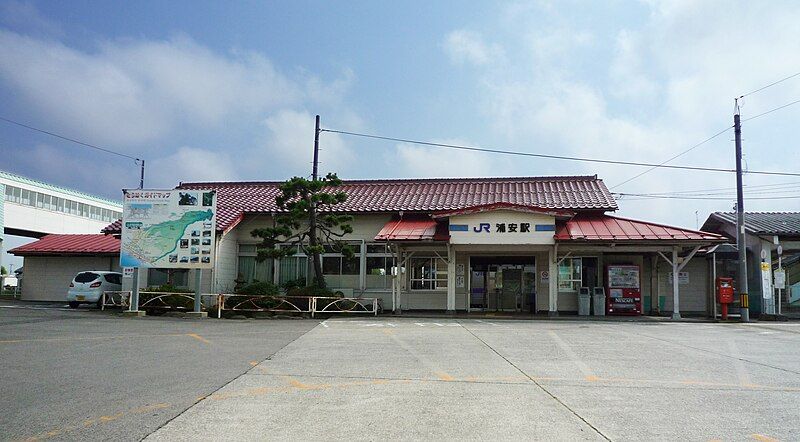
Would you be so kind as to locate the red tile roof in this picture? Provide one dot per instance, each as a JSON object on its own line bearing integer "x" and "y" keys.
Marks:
{"x": 602, "y": 227}
{"x": 96, "y": 244}
{"x": 413, "y": 229}
{"x": 572, "y": 193}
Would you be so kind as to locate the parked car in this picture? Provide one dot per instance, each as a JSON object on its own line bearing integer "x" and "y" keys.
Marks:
{"x": 88, "y": 287}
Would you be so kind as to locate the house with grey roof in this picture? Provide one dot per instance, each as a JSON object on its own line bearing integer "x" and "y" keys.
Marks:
{"x": 765, "y": 231}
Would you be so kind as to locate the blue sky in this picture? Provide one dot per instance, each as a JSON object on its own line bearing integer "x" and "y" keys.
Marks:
{"x": 228, "y": 90}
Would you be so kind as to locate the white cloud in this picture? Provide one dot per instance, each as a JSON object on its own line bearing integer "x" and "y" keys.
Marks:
{"x": 139, "y": 91}
{"x": 468, "y": 47}
{"x": 670, "y": 83}
{"x": 192, "y": 164}
{"x": 428, "y": 162}
{"x": 290, "y": 143}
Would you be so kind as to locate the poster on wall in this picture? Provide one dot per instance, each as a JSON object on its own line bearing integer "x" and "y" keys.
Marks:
{"x": 624, "y": 277}
{"x": 168, "y": 229}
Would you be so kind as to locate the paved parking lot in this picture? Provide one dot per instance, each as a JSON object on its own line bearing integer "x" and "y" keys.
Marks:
{"x": 403, "y": 378}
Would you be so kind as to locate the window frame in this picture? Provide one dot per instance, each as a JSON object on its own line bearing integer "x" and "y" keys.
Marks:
{"x": 438, "y": 284}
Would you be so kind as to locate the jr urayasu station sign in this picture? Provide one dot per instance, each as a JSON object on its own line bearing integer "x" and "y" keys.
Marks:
{"x": 168, "y": 229}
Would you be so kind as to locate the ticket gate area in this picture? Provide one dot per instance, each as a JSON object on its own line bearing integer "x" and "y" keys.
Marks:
{"x": 502, "y": 284}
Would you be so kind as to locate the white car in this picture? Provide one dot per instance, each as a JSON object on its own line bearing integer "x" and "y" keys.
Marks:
{"x": 88, "y": 287}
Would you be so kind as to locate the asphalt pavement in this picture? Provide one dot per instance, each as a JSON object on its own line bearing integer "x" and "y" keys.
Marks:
{"x": 91, "y": 375}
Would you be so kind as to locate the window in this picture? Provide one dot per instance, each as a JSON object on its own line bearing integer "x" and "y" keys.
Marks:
{"x": 292, "y": 267}
{"x": 379, "y": 267}
{"x": 428, "y": 274}
{"x": 569, "y": 275}
{"x": 341, "y": 271}
{"x": 86, "y": 277}
{"x": 250, "y": 270}
{"x": 27, "y": 197}
{"x": 113, "y": 278}
{"x": 40, "y": 200}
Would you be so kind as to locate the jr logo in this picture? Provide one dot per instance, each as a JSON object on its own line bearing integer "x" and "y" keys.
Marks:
{"x": 483, "y": 227}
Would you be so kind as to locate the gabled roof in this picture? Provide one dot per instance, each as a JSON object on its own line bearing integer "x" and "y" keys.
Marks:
{"x": 503, "y": 206}
{"x": 570, "y": 193}
{"x": 602, "y": 227}
{"x": 759, "y": 223}
{"x": 57, "y": 244}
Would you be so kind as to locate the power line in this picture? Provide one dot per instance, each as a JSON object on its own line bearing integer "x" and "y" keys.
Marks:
{"x": 555, "y": 157}
{"x": 70, "y": 139}
{"x": 770, "y": 85}
{"x": 675, "y": 157}
{"x": 771, "y": 111}
{"x": 644, "y": 196}
{"x": 758, "y": 186}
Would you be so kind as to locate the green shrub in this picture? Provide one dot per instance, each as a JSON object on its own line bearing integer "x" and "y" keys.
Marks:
{"x": 259, "y": 289}
{"x": 294, "y": 284}
{"x": 167, "y": 288}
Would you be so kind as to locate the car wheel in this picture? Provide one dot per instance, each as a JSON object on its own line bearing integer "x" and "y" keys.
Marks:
{"x": 74, "y": 304}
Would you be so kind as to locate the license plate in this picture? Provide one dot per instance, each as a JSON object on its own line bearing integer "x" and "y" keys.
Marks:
{"x": 625, "y": 300}
{"x": 80, "y": 298}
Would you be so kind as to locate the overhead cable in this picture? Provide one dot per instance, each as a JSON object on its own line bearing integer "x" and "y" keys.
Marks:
{"x": 548, "y": 156}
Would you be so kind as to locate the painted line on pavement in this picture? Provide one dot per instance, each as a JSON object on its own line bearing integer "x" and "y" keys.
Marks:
{"x": 199, "y": 338}
{"x": 587, "y": 372}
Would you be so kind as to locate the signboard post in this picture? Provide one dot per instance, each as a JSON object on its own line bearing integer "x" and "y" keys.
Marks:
{"x": 168, "y": 229}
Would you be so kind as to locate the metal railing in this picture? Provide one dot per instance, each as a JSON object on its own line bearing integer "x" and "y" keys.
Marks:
{"x": 246, "y": 303}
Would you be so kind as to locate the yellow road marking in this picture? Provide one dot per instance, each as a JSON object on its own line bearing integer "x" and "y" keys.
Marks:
{"x": 763, "y": 438}
{"x": 592, "y": 378}
{"x": 444, "y": 376}
{"x": 100, "y": 420}
{"x": 253, "y": 363}
{"x": 199, "y": 338}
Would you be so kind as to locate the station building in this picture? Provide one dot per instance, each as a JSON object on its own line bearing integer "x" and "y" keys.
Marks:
{"x": 468, "y": 244}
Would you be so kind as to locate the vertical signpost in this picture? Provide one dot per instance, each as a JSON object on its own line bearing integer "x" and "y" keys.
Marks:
{"x": 169, "y": 229}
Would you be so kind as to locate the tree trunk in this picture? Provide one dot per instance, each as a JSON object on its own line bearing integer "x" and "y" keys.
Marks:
{"x": 319, "y": 280}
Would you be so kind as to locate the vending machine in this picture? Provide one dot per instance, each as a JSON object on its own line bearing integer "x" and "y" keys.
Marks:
{"x": 623, "y": 292}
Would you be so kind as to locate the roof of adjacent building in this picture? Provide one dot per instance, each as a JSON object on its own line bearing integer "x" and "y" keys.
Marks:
{"x": 603, "y": 227}
{"x": 58, "y": 244}
{"x": 759, "y": 223}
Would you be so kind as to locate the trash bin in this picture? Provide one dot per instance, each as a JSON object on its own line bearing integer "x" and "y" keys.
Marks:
{"x": 584, "y": 301}
{"x": 599, "y": 301}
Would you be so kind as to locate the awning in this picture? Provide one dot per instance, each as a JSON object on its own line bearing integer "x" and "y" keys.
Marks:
{"x": 602, "y": 227}
{"x": 413, "y": 229}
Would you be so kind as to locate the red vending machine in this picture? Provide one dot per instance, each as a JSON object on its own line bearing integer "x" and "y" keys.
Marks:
{"x": 623, "y": 292}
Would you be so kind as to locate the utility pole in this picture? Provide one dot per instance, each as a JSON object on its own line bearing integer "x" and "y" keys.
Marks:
{"x": 134, "y": 301}
{"x": 312, "y": 217}
{"x": 741, "y": 242}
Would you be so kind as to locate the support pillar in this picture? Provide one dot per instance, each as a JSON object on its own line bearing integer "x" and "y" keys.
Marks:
{"x": 451, "y": 280}
{"x": 654, "y": 295}
{"x": 553, "y": 282}
{"x": 676, "y": 312}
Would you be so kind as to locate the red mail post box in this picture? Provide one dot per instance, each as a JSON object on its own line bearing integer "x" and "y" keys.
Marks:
{"x": 724, "y": 294}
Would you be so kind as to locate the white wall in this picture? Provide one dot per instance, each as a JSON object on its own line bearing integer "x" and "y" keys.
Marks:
{"x": 47, "y": 278}
{"x": 474, "y": 220}
{"x": 693, "y": 296}
{"x": 45, "y": 221}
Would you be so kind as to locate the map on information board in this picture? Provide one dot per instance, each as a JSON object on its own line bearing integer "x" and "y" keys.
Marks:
{"x": 168, "y": 229}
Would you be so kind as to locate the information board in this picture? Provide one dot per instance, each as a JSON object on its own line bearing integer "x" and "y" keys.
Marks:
{"x": 168, "y": 229}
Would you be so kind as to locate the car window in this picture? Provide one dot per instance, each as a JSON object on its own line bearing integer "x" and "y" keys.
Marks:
{"x": 86, "y": 277}
{"x": 113, "y": 278}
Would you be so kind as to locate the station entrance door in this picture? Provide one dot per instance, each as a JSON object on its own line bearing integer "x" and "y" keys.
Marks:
{"x": 503, "y": 283}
